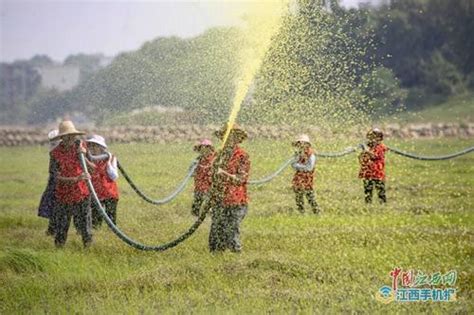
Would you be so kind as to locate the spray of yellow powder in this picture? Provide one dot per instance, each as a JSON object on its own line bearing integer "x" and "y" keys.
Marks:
{"x": 262, "y": 22}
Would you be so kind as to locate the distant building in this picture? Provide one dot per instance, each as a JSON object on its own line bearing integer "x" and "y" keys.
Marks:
{"x": 61, "y": 78}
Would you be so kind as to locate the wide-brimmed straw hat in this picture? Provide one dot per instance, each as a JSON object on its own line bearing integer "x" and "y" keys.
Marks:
{"x": 97, "y": 140}
{"x": 66, "y": 128}
{"x": 203, "y": 143}
{"x": 235, "y": 131}
{"x": 302, "y": 139}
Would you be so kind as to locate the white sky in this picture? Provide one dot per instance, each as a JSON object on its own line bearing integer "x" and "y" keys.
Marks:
{"x": 59, "y": 28}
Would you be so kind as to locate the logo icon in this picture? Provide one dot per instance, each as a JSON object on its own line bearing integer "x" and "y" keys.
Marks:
{"x": 385, "y": 295}
{"x": 418, "y": 286}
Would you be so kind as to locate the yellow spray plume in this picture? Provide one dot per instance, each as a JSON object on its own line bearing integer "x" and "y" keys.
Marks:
{"x": 262, "y": 21}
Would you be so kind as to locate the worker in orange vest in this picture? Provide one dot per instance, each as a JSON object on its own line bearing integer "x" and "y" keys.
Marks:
{"x": 304, "y": 174}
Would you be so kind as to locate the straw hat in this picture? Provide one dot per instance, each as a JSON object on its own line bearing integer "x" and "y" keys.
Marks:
{"x": 203, "y": 143}
{"x": 236, "y": 131}
{"x": 97, "y": 140}
{"x": 66, "y": 128}
{"x": 302, "y": 138}
{"x": 375, "y": 133}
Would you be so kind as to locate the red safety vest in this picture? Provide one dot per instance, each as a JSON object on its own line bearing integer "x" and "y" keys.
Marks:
{"x": 203, "y": 173}
{"x": 374, "y": 167}
{"x": 103, "y": 185}
{"x": 235, "y": 194}
{"x": 69, "y": 165}
{"x": 304, "y": 180}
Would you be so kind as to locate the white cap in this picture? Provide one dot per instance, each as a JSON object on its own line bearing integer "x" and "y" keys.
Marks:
{"x": 98, "y": 140}
{"x": 303, "y": 138}
{"x": 52, "y": 134}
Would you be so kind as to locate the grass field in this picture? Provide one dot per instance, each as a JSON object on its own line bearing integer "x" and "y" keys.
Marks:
{"x": 290, "y": 262}
{"x": 457, "y": 108}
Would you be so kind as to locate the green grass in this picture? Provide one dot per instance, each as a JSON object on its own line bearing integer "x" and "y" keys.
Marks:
{"x": 458, "y": 108}
{"x": 290, "y": 262}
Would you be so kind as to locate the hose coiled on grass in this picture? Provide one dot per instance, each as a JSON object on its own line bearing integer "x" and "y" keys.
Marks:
{"x": 270, "y": 177}
{"x": 127, "y": 239}
{"x": 214, "y": 196}
{"x": 167, "y": 199}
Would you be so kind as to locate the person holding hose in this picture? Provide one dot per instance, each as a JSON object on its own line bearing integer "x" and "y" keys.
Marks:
{"x": 104, "y": 179}
{"x": 372, "y": 165}
{"x": 48, "y": 198}
{"x": 233, "y": 173}
{"x": 71, "y": 192}
{"x": 304, "y": 174}
{"x": 202, "y": 174}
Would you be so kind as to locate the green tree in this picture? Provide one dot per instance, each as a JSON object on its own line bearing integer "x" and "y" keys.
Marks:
{"x": 384, "y": 92}
{"x": 312, "y": 71}
{"x": 195, "y": 74}
{"x": 441, "y": 76}
{"x": 47, "y": 105}
{"x": 412, "y": 35}
{"x": 19, "y": 81}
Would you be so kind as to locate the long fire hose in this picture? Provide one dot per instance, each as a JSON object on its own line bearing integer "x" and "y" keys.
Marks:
{"x": 128, "y": 240}
{"x": 215, "y": 196}
{"x": 270, "y": 177}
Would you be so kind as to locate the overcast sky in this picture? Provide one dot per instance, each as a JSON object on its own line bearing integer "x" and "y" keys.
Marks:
{"x": 59, "y": 28}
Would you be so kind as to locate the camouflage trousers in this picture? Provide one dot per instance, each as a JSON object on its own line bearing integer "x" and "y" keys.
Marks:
{"x": 299, "y": 197}
{"x": 225, "y": 228}
{"x": 369, "y": 185}
{"x": 81, "y": 214}
{"x": 110, "y": 206}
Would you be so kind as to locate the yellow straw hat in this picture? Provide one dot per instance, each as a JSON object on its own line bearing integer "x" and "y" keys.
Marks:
{"x": 66, "y": 128}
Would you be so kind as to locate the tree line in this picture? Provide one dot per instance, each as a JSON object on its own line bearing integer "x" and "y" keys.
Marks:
{"x": 405, "y": 53}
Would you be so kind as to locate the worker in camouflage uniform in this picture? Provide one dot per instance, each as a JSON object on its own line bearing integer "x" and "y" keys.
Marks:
{"x": 304, "y": 174}
{"x": 231, "y": 208}
{"x": 372, "y": 165}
